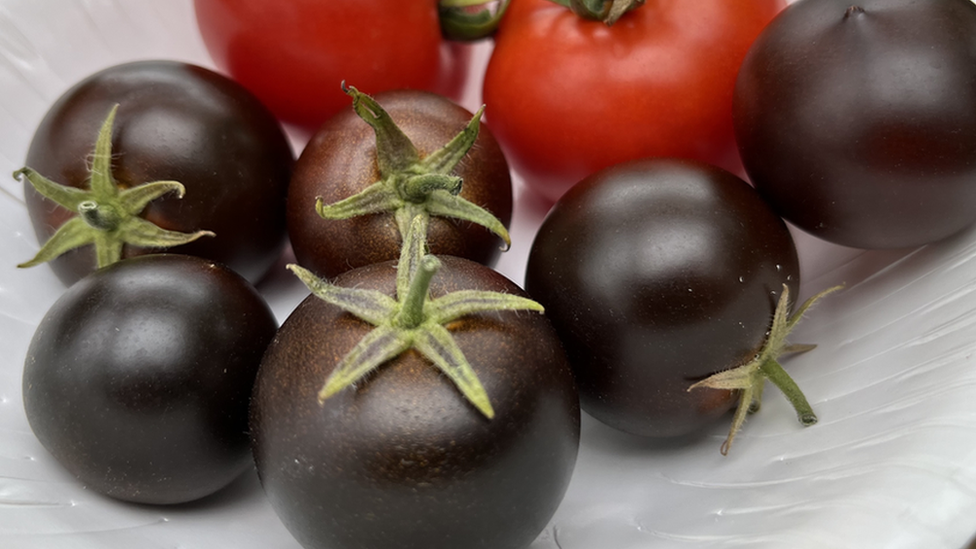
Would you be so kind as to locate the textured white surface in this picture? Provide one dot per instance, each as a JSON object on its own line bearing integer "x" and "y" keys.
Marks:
{"x": 892, "y": 463}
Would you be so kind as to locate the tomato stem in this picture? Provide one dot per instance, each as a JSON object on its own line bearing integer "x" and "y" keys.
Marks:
{"x": 410, "y": 183}
{"x": 101, "y": 217}
{"x": 108, "y": 216}
{"x": 412, "y": 320}
{"x": 607, "y": 11}
{"x": 411, "y": 312}
{"x": 751, "y": 377}
{"x": 774, "y": 371}
{"x": 418, "y": 188}
{"x": 470, "y": 20}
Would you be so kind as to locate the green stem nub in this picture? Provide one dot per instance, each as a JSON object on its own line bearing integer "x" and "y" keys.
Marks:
{"x": 418, "y": 188}
{"x": 411, "y": 314}
{"x": 101, "y": 217}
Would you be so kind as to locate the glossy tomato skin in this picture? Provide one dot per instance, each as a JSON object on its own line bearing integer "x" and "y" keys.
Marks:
{"x": 858, "y": 124}
{"x": 294, "y": 55}
{"x": 657, "y": 273}
{"x": 175, "y": 122}
{"x": 658, "y": 82}
{"x": 138, "y": 379}
{"x": 402, "y": 460}
{"x": 340, "y": 161}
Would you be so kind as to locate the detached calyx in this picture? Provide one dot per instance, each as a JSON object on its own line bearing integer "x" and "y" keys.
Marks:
{"x": 411, "y": 186}
{"x": 107, "y": 216}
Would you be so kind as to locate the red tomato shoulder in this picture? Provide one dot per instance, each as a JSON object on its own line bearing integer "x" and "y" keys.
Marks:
{"x": 294, "y": 55}
{"x": 567, "y": 96}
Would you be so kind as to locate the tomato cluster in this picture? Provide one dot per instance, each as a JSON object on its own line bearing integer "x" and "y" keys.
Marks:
{"x": 417, "y": 397}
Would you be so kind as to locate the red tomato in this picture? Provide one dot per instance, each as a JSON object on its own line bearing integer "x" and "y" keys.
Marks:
{"x": 294, "y": 54}
{"x": 567, "y": 96}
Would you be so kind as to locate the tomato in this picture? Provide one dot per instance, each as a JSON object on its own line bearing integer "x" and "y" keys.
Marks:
{"x": 567, "y": 96}
{"x": 138, "y": 379}
{"x": 400, "y": 459}
{"x": 656, "y": 274}
{"x": 293, "y": 55}
{"x": 855, "y": 120}
{"x": 344, "y": 158}
{"x": 180, "y": 122}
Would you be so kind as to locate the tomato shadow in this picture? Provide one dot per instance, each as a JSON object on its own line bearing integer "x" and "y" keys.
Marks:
{"x": 241, "y": 491}
{"x": 599, "y": 437}
{"x": 244, "y": 487}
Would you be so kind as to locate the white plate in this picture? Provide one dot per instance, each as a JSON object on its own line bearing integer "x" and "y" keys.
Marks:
{"x": 892, "y": 463}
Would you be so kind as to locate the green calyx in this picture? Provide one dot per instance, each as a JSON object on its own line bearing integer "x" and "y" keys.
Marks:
{"x": 410, "y": 186}
{"x": 750, "y": 378}
{"x": 411, "y": 321}
{"x": 608, "y": 11}
{"x": 108, "y": 217}
{"x": 470, "y": 20}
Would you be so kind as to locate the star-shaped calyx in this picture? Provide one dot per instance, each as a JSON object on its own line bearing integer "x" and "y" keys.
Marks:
{"x": 750, "y": 378}
{"x": 411, "y": 321}
{"x": 108, "y": 216}
{"x": 411, "y": 186}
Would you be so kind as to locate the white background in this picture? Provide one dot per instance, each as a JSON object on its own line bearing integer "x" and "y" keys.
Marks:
{"x": 892, "y": 463}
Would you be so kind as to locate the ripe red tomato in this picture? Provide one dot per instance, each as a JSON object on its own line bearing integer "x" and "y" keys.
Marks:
{"x": 568, "y": 96}
{"x": 294, "y": 55}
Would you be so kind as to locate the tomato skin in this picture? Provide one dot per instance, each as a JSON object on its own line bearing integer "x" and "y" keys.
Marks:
{"x": 657, "y": 273}
{"x": 175, "y": 122}
{"x": 401, "y": 460}
{"x": 340, "y": 161}
{"x": 138, "y": 379}
{"x": 294, "y": 55}
{"x": 567, "y": 97}
{"x": 859, "y": 126}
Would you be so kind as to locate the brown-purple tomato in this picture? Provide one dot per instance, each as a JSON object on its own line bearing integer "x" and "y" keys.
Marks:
{"x": 656, "y": 274}
{"x": 179, "y": 122}
{"x": 401, "y": 460}
{"x": 340, "y": 161}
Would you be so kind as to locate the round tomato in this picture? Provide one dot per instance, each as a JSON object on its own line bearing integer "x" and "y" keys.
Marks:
{"x": 294, "y": 55}
{"x": 658, "y": 273}
{"x": 857, "y": 122}
{"x": 400, "y": 459}
{"x": 344, "y": 158}
{"x": 568, "y": 96}
{"x": 179, "y": 122}
{"x": 138, "y": 379}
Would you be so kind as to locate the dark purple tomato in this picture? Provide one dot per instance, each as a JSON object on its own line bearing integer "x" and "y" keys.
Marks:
{"x": 856, "y": 119}
{"x": 340, "y": 161}
{"x": 175, "y": 122}
{"x": 402, "y": 460}
{"x": 656, "y": 274}
{"x": 138, "y": 379}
